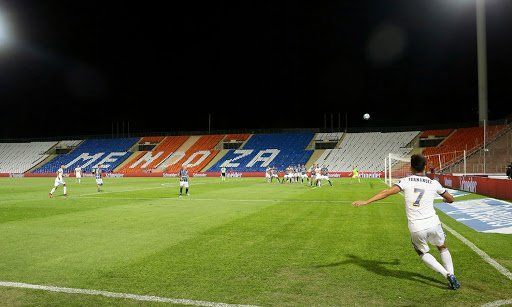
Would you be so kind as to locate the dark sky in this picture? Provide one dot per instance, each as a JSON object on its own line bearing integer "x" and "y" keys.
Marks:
{"x": 76, "y": 66}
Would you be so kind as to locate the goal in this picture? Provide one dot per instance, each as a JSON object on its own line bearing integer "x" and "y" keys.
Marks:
{"x": 396, "y": 167}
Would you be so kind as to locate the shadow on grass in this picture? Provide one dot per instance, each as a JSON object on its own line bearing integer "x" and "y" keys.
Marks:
{"x": 379, "y": 268}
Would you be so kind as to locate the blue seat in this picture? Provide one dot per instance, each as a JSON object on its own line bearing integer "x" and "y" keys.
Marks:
{"x": 276, "y": 150}
{"x": 111, "y": 152}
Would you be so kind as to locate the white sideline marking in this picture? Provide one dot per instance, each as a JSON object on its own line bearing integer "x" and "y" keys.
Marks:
{"x": 498, "y": 303}
{"x": 503, "y": 270}
{"x": 145, "y": 298}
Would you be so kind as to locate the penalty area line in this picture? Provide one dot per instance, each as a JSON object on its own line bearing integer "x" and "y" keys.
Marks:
{"x": 136, "y": 297}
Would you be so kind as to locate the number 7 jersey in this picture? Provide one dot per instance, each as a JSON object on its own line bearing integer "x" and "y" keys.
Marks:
{"x": 419, "y": 193}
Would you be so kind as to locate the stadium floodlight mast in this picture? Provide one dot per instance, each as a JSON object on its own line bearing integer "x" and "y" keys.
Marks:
{"x": 481, "y": 42}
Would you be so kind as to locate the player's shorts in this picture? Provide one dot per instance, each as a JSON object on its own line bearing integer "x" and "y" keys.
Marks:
{"x": 434, "y": 235}
{"x": 183, "y": 184}
{"x": 78, "y": 176}
{"x": 355, "y": 176}
{"x": 223, "y": 174}
{"x": 304, "y": 175}
{"x": 296, "y": 175}
{"x": 275, "y": 176}
{"x": 99, "y": 181}
{"x": 325, "y": 177}
{"x": 318, "y": 177}
{"x": 59, "y": 182}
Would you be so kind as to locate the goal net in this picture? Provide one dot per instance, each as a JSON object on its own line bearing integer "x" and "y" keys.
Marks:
{"x": 396, "y": 167}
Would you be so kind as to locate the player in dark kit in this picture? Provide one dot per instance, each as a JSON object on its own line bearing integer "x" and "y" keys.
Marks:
{"x": 183, "y": 175}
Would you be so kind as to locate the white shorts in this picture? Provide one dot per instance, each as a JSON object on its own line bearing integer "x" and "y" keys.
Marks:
{"x": 434, "y": 235}
{"x": 184, "y": 184}
{"x": 275, "y": 176}
{"x": 78, "y": 176}
{"x": 325, "y": 177}
{"x": 267, "y": 175}
{"x": 318, "y": 177}
{"x": 304, "y": 175}
{"x": 288, "y": 176}
{"x": 99, "y": 181}
{"x": 59, "y": 182}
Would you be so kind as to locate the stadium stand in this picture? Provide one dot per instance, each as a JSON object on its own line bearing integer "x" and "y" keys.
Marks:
{"x": 150, "y": 160}
{"x": 109, "y": 152}
{"x": 497, "y": 157}
{"x": 436, "y": 133}
{"x": 452, "y": 148}
{"x": 262, "y": 150}
{"x": 236, "y": 137}
{"x": 68, "y": 143}
{"x": 324, "y": 137}
{"x": 366, "y": 150}
{"x": 151, "y": 139}
{"x": 20, "y": 157}
{"x": 198, "y": 155}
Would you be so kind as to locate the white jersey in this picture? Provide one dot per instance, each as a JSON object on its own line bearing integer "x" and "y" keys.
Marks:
{"x": 419, "y": 192}
{"x": 60, "y": 174}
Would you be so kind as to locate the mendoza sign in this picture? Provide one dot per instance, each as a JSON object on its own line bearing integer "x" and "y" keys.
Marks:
{"x": 483, "y": 215}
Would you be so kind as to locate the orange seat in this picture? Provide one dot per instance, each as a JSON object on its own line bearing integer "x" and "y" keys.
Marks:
{"x": 205, "y": 143}
{"x": 164, "y": 149}
{"x": 453, "y": 147}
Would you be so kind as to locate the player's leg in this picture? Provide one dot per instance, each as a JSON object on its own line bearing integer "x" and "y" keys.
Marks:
{"x": 186, "y": 189}
{"x": 420, "y": 244}
{"x": 437, "y": 237}
{"x": 65, "y": 189}
{"x": 55, "y": 186}
{"x": 446, "y": 258}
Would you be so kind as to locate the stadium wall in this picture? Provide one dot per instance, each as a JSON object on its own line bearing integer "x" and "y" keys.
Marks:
{"x": 497, "y": 188}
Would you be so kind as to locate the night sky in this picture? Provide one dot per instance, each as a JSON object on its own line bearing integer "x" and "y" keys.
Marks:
{"x": 74, "y": 67}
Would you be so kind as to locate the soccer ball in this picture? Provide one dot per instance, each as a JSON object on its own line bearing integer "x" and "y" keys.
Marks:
{"x": 366, "y": 116}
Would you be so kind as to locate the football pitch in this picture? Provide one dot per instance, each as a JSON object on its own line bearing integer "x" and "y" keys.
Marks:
{"x": 242, "y": 241}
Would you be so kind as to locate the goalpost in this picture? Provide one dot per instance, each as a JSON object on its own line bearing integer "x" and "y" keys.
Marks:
{"x": 396, "y": 167}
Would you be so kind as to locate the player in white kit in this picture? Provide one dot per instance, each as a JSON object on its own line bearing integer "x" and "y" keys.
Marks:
{"x": 59, "y": 181}
{"x": 424, "y": 224}
{"x": 78, "y": 174}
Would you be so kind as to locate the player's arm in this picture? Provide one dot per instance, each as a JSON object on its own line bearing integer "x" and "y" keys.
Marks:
{"x": 381, "y": 195}
{"x": 448, "y": 197}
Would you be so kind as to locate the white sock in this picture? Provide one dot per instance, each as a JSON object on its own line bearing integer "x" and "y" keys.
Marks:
{"x": 432, "y": 263}
{"x": 446, "y": 257}
{"x": 53, "y": 190}
{"x": 65, "y": 188}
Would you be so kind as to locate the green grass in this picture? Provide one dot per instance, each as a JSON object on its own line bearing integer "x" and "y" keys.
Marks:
{"x": 242, "y": 241}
